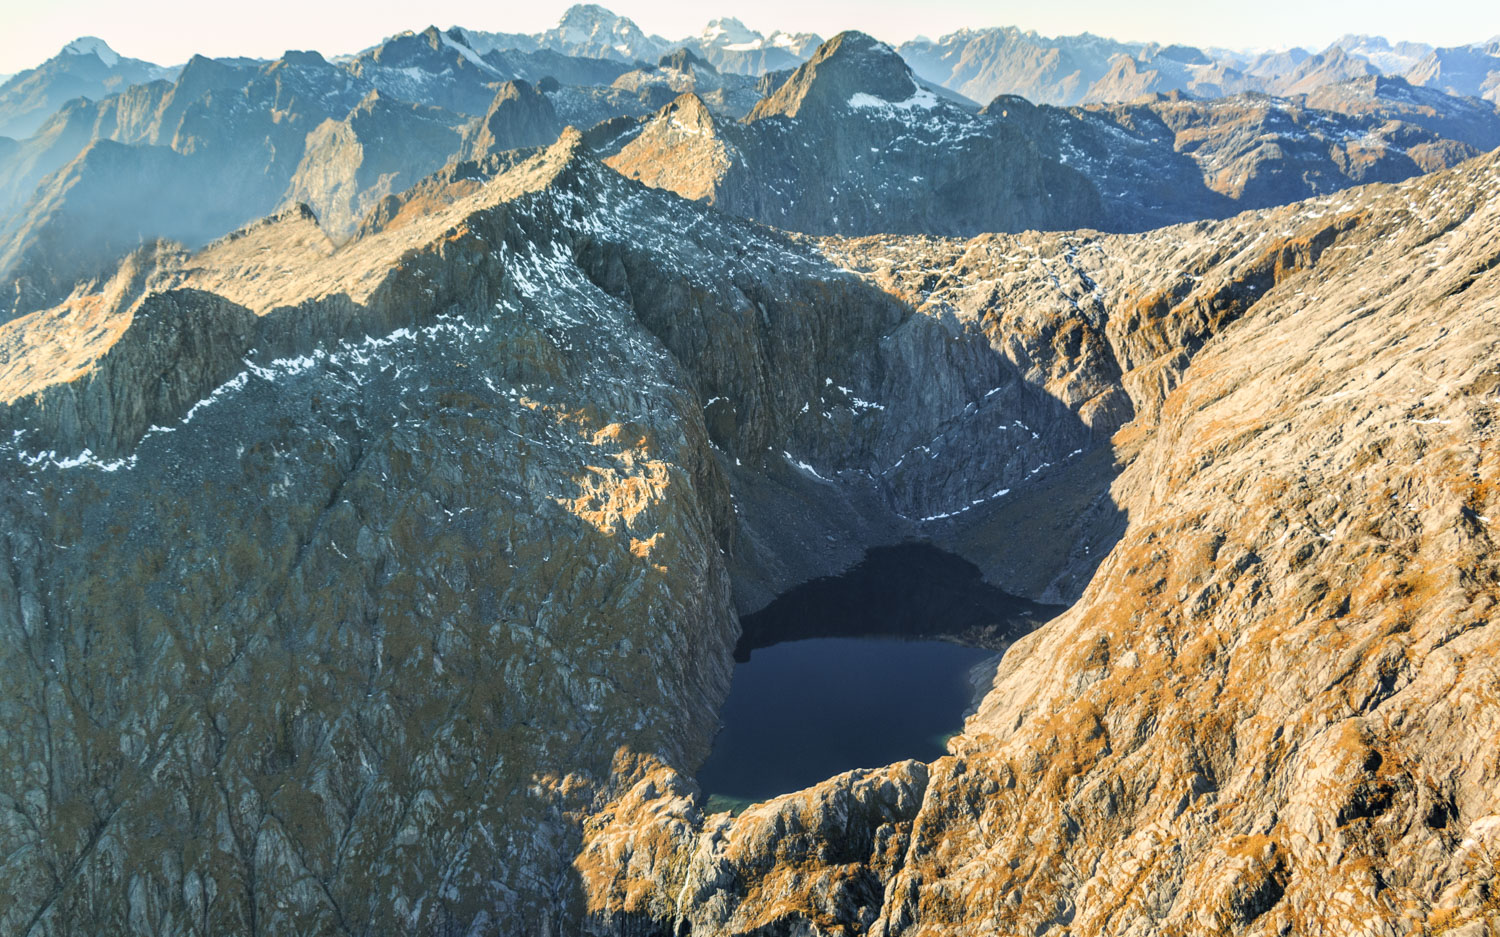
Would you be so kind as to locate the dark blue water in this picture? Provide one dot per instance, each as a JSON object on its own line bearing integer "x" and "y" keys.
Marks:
{"x": 801, "y": 712}
{"x": 847, "y": 671}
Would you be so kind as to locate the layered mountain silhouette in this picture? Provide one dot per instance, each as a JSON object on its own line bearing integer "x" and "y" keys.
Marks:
{"x": 852, "y": 143}
{"x": 1085, "y": 69}
{"x": 85, "y": 68}
{"x": 859, "y": 139}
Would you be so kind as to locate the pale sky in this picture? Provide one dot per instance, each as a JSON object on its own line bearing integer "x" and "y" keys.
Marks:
{"x": 169, "y": 31}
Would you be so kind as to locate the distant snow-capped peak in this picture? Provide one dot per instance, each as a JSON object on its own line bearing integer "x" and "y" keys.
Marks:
{"x": 93, "y": 45}
{"x": 728, "y": 31}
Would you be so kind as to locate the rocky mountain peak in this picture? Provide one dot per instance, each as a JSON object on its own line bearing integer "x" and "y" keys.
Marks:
{"x": 590, "y": 29}
{"x": 372, "y": 103}
{"x": 202, "y": 74}
{"x": 588, "y": 15}
{"x": 1186, "y": 55}
{"x": 848, "y": 70}
{"x": 688, "y": 110}
{"x": 93, "y": 45}
{"x": 303, "y": 59}
{"x": 728, "y": 31}
{"x": 684, "y": 60}
{"x": 520, "y": 116}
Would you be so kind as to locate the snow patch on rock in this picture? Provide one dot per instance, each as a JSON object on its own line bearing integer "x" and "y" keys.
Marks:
{"x": 93, "y": 45}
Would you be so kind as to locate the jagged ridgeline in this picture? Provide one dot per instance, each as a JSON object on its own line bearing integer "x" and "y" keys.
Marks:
{"x": 377, "y": 538}
{"x": 852, "y": 141}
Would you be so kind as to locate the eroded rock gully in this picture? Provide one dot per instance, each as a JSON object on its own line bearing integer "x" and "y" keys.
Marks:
{"x": 400, "y": 598}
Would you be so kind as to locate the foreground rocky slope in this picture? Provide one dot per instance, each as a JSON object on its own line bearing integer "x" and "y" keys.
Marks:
{"x": 1273, "y": 709}
{"x": 432, "y": 534}
{"x": 409, "y": 568}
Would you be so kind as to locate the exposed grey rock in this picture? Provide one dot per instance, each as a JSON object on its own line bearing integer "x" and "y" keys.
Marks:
{"x": 519, "y": 117}
{"x": 381, "y": 147}
{"x": 1271, "y": 710}
{"x": 851, "y": 143}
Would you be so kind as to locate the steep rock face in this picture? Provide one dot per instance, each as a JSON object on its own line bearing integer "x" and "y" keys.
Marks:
{"x": 1272, "y": 711}
{"x": 520, "y": 116}
{"x": 381, "y": 147}
{"x": 399, "y": 669}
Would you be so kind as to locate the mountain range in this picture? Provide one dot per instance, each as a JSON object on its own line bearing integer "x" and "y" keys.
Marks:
{"x": 85, "y": 68}
{"x": 978, "y": 63}
{"x": 1087, "y": 69}
{"x": 391, "y": 446}
{"x": 853, "y": 141}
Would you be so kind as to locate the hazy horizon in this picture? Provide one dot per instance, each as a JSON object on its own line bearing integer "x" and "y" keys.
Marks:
{"x": 36, "y": 32}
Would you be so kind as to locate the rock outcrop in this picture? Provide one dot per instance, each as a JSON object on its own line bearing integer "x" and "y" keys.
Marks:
{"x": 520, "y": 117}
